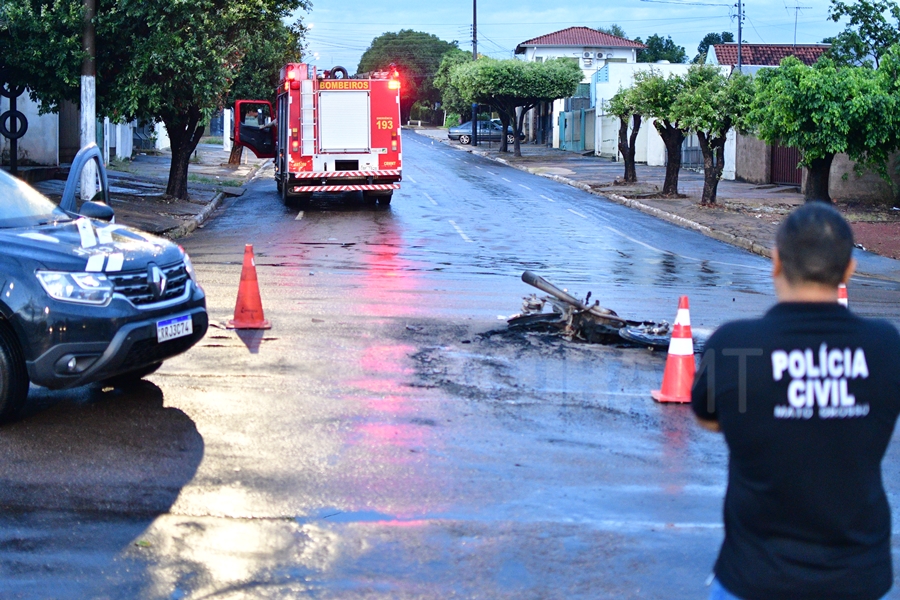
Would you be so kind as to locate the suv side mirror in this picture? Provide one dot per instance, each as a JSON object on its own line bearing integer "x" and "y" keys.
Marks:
{"x": 94, "y": 209}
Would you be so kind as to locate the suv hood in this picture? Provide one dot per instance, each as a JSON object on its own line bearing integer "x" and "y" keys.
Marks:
{"x": 87, "y": 245}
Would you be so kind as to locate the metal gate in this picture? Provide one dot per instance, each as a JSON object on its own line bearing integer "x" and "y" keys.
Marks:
{"x": 784, "y": 166}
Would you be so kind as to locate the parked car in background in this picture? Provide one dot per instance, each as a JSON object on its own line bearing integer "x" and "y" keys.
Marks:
{"x": 83, "y": 299}
{"x": 487, "y": 131}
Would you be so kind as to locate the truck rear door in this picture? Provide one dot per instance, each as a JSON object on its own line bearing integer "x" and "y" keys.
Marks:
{"x": 344, "y": 122}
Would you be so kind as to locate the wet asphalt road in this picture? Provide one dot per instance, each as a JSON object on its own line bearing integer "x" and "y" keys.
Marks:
{"x": 375, "y": 443}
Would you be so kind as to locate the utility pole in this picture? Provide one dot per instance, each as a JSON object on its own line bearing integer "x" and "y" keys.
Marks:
{"x": 89, "y": 97}
{"x": 474, "y": 57}
{"x": 740, "y": 33}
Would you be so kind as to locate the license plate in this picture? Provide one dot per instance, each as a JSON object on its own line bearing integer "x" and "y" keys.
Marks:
{"x": 174, "y": 328}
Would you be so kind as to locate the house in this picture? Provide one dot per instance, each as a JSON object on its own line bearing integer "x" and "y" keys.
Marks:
{"x": 763, "y": 55}
{"x": 757, "y": 162}
{"x": 605, "y": 84}
{"x": 754, "y": 160}
{"x": 592, "y": 50}
{"x": 53, "y": 139}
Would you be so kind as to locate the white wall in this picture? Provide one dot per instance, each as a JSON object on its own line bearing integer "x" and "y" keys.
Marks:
{"x": 40, "y": 144}
{"x": 162, "y": 137}
{"x": 532, "y": 53}
{"x": 123, "y": 134}
{"x": 730, "y": 152}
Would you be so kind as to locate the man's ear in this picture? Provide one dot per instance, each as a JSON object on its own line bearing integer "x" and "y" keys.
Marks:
{"x": 777, "y": 267}
{"x": 848, "y": 272}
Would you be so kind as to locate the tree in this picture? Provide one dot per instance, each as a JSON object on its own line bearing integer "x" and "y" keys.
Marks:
{"x": 163, "y": 60}
{"x": 613, "y": 29}
{"x": 659, "y": 48}
{"x": 417, "y": 55}
{"x": 711, "y": 39}
{"x": 823, "y": 110}
{"x": 451, "y": 99}
{"x": 654, "y": 96}
{"x": 40, "y": 48}
{"x": 623, "y": 106}
{"x": 710, "y": 104}
{"x": 507, "y": 85}
{"x": 868, "y": 34}
{"x": 260, "y": 68}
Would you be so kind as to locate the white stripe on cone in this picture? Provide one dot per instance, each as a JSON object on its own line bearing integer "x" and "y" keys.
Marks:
{"x": 681, "y": 346}
{"x": 842, "y": 295}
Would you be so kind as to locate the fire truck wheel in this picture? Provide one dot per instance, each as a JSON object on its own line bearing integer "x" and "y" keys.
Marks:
{"x": 385, "y": 199}
{"x": 369, "y": 197}
{"x": 465, "y": 139}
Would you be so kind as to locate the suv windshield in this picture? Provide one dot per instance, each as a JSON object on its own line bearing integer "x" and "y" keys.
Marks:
{"x": 23, "y": 206}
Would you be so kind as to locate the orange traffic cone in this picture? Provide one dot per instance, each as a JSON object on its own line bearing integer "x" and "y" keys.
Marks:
{"x": 679, "y": 374}
{"x": 248, "y": 311}
{"x": 842, "y": 295}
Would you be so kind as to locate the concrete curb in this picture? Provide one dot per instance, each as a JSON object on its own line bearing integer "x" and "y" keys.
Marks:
{"x": 722, "y": 236}
{"x": 200, "y": 218}
{"x": 197, "y": 220}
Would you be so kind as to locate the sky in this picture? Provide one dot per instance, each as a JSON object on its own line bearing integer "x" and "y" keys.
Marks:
{"x": 341, "y": 30}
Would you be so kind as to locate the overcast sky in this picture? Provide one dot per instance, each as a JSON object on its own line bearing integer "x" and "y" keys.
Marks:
{"x": 341, "y": 30}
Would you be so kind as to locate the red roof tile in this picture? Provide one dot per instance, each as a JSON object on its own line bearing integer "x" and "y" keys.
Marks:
{"x": 583, "y": 37}
{"x": 768, "y": 54}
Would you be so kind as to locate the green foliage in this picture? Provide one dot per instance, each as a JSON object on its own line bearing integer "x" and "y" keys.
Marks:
{"x": 509, "y": 84}
{"x": 709, "y": 40}
{"x": 451, "y": 100}
{"x": 623, "y": 104}
{"x": 659, "y": 48}
{"x": 501, "y": 83}
{"x": 824, "y": 110}
{"x": 157, "y": 60}
{"x": 874, "y": 26}
{"x": 267, "y": 53}
{"x": 712, "y": 103}
{"x": 613, "y": 29}
{"x": 40, "y": 47}
{"x": 417, "y": 56}
{"x": 654, "y": 95}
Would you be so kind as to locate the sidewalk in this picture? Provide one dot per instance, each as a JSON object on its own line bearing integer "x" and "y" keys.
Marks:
{"x": 747, "y": 214}
{"x": 137, "y": 189}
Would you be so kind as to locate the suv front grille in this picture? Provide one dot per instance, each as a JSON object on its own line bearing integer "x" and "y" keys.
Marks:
{"x": 135, "y": 285}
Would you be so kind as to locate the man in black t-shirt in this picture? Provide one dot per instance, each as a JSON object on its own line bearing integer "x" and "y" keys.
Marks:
{"x": 807, "y": 397}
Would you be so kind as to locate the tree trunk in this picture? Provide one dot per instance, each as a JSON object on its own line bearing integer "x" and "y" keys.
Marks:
{"x": 504, "y": 124}
{"x": 234, "y": 158}
{"x": 817, "y": 179}
{"x": 672, "y": 137}
{"x": 713, "y": 164}
{"x": 517, "y": 130}
{"x": 626, "y": 146}
{"x": 184, "y": 135}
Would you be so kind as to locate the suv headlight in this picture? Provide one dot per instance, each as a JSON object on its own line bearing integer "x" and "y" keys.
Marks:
{"x": 84, "y": 288}
{"x": 189, "y": 268}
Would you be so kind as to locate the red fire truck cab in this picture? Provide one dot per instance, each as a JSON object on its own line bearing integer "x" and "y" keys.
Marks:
{"x": 327, "y": 133}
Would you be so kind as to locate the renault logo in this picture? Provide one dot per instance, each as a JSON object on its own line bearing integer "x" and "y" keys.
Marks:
{"x": 157, "y": 281}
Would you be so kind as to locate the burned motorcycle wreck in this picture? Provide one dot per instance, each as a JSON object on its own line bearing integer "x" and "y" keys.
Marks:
{"x": 578, "y": 320}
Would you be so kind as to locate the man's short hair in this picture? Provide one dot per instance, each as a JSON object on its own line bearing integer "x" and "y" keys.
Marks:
{"x": 815, "y": 245}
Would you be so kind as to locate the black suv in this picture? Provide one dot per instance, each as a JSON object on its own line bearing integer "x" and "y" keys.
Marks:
{"x": 83, "y": 299}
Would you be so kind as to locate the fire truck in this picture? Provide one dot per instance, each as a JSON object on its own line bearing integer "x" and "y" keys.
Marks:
{"x": 328, "y": 132}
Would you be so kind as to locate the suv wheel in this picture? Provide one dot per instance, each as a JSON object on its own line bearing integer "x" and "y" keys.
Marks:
{"x": 13, "y": 375}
